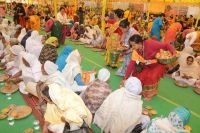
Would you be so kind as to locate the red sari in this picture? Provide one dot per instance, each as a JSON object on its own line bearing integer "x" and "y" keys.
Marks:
{"x": 150, "y": 74}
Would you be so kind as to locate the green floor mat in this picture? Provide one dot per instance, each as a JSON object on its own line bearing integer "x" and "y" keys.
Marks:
{"x": 170, "y": 95}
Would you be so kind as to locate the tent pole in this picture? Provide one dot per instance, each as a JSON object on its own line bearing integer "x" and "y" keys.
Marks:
{"x": 197, "y": 20}
{"x": 103, "y": 24}
{"x": 148, "y": 5}
{"x": 55, "y": 7}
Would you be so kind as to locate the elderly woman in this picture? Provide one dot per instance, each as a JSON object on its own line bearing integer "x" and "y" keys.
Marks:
{"x": 31, "y": 70}
{"x": 23, "y": 41}
{"x": 119, "y": 117}
{"x": 50, "y": 75}
{"x": 72, "y": 72}
{"x": 48, "y": 51}
{"x": 13, "y": 66}
{"x": 64, "y": 107}
{"x": 21, "y": 35}
{"x": 88, "y": 36}
{"x": 98, "y": 39}
{"x": 60, "y": 62}
{"x": 34, "y": 44}
{"x": 97, "y": 91}
{"x": 174, "y": 123}
{"x": 144, "y": 66}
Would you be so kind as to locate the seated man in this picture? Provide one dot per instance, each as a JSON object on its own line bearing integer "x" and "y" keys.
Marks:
{"x": 64, "y": 107}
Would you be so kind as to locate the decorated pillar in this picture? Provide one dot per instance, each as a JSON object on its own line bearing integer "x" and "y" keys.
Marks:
{"x": 55, "y": 7}
{"x": 103, "y": 24}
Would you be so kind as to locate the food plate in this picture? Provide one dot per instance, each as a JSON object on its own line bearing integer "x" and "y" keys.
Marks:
{"x": 197, "y": 90}
{"x": 5, "y": 110}
{"x": 181, "y": 84}
{"x": 148, "y": 107}
{"x": 2, "y": 116}
{"x": 153, "y": 112}
{"x": 28, "y": 130}
{"x": 89, "y": 46}
{"x": 20, "y": 112}
{"x": 9, "y": 89}
{"x": 3, "y": 77}
{"x": 167, "y": 61}
{"x": 97, "y": 50}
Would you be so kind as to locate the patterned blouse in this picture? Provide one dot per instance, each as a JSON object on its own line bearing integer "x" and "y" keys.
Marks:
{"x": 48, "y": 53}
{"x": 95, "y": 94}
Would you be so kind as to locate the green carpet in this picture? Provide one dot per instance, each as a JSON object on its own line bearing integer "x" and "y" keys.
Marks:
{"x": 170, "y": 96}
{"x": 20, "y": 125}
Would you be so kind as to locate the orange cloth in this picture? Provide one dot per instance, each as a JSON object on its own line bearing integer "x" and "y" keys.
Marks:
{"x": 34, "y": 22}
{"x": 137, "y": 57}
{"x": 150, "y": 24}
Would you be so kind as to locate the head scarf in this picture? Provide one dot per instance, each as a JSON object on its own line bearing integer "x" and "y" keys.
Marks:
{"x": 133, "y": 85}
{"x": 103, "y": 74}
{"x": 63, "y": 56}
{"x": 50, "y": 67}
{"x": 71, "y": 104}
{"x": 21, "y": 35}
{"x": 35, "y": 67}
{"x": 50, "y": 41}
{"x": 16, "y": 49}
{"x": 74, "y": 57}
{"x": 72, "y": 68}
{"x": 35, "y": 36}
{"x": 34, "y": 44}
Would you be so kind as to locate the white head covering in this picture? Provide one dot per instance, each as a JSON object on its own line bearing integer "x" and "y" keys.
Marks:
{"x": 50, "y": 67}
{"x": 188, "y": 50}
{"x": 72, "y": 67}
{"x": 29, "y": 58}
{"x": 74, "y": 57}
{"x": 21, "y": 35}
{"x": 103, "y": 74}
{"x": 133, "y": 85}
{"x": 34, "y": 71}
{"x": 35, "y": 35}
{"x": 34, "y": 44}
{"x": 16, "y": 49}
